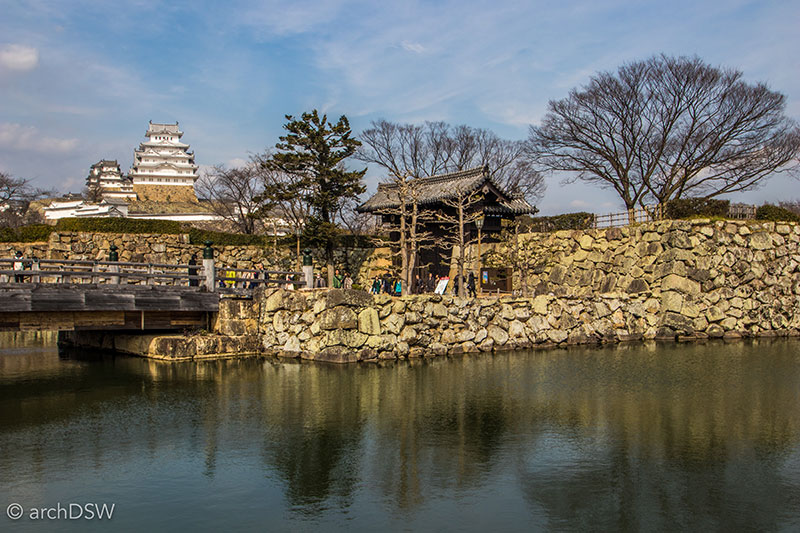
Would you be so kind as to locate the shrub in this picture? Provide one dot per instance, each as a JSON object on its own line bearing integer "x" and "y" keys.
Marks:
{"x": 693, "y": 207}
{"x": 776, "y": 214}
{"x": 32, "y": 233}
{"x": 120, "y": 225}
{"x": 580, "y": 220}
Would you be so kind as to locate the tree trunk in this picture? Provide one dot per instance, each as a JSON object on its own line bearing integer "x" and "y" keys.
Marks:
{"x": 412, "y": 247}
{"x": 460, "y": 262}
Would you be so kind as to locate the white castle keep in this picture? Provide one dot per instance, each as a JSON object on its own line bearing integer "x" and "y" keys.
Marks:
{"x": 106, "y": 177}
{"x": 163, "y": 167}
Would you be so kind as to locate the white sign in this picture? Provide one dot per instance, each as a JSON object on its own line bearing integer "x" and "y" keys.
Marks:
{"x": 441, "y": 286}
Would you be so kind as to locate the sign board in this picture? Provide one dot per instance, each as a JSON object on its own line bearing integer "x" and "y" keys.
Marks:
{"x": 440, "y": 288}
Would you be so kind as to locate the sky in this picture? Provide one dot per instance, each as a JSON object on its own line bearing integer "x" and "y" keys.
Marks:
{"x": 79, "y": 80}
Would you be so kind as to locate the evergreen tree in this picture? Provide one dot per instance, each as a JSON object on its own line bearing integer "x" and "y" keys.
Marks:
{"x": 314, "y": 150}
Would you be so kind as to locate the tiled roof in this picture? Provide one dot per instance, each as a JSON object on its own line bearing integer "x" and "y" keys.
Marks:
{"x": 435, "y": 189}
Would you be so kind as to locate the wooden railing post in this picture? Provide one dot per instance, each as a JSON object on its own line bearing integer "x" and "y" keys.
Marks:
{"x": 35, "y": 266}
{"x": 208, "y": 267}
{"x": 113, "y": 255}
{"x": 95, "y": 278}
{"x": 308, "y": 268}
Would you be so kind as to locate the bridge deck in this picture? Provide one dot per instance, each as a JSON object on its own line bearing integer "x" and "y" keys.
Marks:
{"x": 68, "y": 306}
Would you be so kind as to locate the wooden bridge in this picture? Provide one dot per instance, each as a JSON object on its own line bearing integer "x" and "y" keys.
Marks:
{"x": 66, "y": 295}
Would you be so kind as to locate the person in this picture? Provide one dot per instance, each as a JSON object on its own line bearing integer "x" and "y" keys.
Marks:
{"x": 420, "y": 284}
{"x": 289, "y": 286}
{"x": 255, "y": 275}
{"x": 338, "y": 279}
{"x": 388, "y": 287}
{"x": 471, "y": 284}
{"x": 398, "y": 287}
{"x": 376, "y": 285}
{"x": 319, "y": 282}
{"x": 348, "y": 281}
{"x": 431, "y": 282}
{"x": 456, "y": 279}
{"x": 19, "y": 264}
{"x": 193, "y": 282}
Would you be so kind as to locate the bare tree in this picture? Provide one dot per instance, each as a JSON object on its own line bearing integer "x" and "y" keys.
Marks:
{"x": 237, "y": 195}
{"x": 437, "y": 148}
{"x": 463, "y": 214}
{"x": 288, "y": 192}
{"x": 93, "y": 192}
{"x": 665, "y": 128}
{"x": 791, "y": 205}
{"x": 16, "y": 195}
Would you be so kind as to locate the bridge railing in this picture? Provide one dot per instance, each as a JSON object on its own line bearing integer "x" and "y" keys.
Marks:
{"x": 61, "y": 271}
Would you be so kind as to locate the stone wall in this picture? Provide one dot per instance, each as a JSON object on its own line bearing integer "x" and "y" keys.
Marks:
{"x": 694, "y": 257}
{"x": 349, "y": 326}
{"x": 669, "y": 280}
{"x": 172, "y": 249}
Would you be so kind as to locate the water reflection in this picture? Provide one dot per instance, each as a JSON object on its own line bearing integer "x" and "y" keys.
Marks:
{"x": 632, "y": 437}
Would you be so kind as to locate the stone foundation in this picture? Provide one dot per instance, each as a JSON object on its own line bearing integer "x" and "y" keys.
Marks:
{"x": 165, "y": 193}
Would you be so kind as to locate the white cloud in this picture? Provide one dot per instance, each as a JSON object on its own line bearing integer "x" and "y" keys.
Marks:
{"x": 18, "y": 57}
{"x": 236, "y": 162}
{"x": 412, "y": 47}
{"x": 27, "y": 138}
{"x": 579, "y": 203}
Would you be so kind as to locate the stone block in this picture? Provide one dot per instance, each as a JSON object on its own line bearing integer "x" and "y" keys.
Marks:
{"x": 671, "y": 301}
{"x": 680, "y": 283}
{"x": 368, "y": 321}
{"x": 338, "y": 318}
{"x": 497, "y": 334}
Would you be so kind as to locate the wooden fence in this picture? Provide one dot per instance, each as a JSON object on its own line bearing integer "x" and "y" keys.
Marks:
{"x": 657, "y": 212}
{"x": 633, "y": 216}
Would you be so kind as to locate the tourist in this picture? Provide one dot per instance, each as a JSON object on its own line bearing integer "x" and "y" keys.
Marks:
{"x": 348, "y": 281}
{"x": 289, "y": 285}
{"x": 471, "y": 284}
{"x": 254, "y": 275}
{"x": 19, "y": 264}
{"x": 431, "y": 282}
{"x": 398, "y": 287}
{"x": 338, "y": 280}
{"x": 376, "y": 285}
{"x": 319, "y": 282}
{"x": 419, "y": 285}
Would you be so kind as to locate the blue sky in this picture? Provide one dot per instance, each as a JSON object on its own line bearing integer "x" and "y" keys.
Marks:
{"x": 79, "y": 80}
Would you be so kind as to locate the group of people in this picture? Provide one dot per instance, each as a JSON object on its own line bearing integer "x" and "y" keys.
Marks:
{"x": 386, "y": 284}
{"x": 341, "y": 280}
{"x": 389, "y": 284}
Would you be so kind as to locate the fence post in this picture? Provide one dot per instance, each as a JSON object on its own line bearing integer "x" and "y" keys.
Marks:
{"x": 35, "y": 266}
{"x": 208, "y": 267}
{"x": 113, "y": 255}
{"x": 308, "y": 268}
{"x": 151, "y": 270}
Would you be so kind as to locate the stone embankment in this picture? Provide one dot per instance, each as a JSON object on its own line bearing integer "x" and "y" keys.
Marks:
{"x": 671, "y": 280}
{"x": 675, "y": 280}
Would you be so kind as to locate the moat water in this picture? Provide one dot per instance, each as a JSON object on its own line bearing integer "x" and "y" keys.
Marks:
{"x": 660, "y": 437}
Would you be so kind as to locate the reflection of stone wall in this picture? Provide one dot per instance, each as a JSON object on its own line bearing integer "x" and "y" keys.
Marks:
{"x": 165, "y": 193}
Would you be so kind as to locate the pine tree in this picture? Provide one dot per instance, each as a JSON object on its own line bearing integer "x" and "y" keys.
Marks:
{"x": 315, "y": 150}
